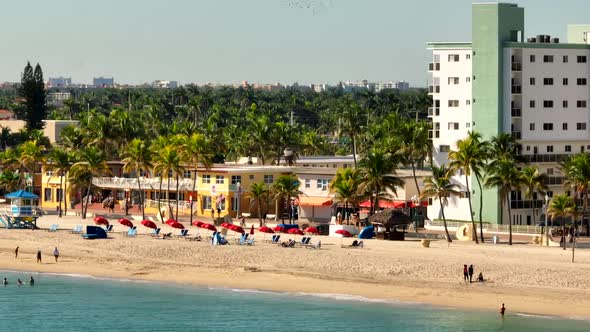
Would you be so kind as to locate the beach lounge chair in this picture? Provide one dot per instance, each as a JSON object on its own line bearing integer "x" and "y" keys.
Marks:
{"x": 155, "y": 232}
{"x": 132, "y": 231}
{"x": 183, "y": 233}
{"x": 243, "y": 238}
{"x": 109, "y": 228}
{"x": 315, "y": 246}
{"x": 77, "y": 229}
{"x": 250, "y": 242}
{"x": 197, "y": 237}
{"x": 53, "y": 228}
{"x": 302, "y": 241}
{"x": 307, "y": 241}
{"x": 289, "y": 244}
{"x": 166, "y": 235}
{"x": 275, "y": 238}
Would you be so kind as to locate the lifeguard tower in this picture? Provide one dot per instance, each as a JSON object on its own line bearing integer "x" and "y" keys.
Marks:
{"x": 22, "y": 213}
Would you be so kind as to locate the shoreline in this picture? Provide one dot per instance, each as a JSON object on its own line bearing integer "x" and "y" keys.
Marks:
{"x": 528, "y": 279}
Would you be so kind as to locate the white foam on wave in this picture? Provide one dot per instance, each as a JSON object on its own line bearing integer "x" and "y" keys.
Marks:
{"x": 521, "y": 314}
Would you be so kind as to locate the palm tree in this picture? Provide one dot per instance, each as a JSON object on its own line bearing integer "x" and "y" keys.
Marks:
{"x": 167, "y": 163}
{"x": 440, "y": 186}
{"x": 137, "y": 157}
{"x": 468, "y": 158}
{"x": 505, "y": 175}
{"x": 92, "y": 163}
{"x": 563, "y": 206}
{"x": 534, "y": 182}
{"x": 196, "y": 149}
{"x": 31, "y": 154}
{"x": 60, "y": 161}
{"x": 345, "y": 187}
{"x": 9, "y": 180}
{"x": 577, "y": 176}
{"x": 482, "y": 152}
{"x": 259, "y": 193}
{"x": 378, "y": 175}
{"x": 285, "y": 188}
{"x": 350, "y": 122}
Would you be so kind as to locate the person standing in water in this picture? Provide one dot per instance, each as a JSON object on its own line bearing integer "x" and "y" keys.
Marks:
{"x": 39, "y": 257}
{"x": 56, "y": 254}
{"x": 502, "y": 310}
{"x": 16, "y": 253}
{"x": 32, "y": 281}
{"x": 5, "y": 281}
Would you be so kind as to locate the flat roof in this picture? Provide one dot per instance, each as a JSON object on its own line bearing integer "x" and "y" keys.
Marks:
{"x": 547, "y": 45}
{"x": 448, "y": 45}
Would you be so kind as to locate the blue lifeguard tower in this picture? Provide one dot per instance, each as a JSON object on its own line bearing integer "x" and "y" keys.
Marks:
{"x": 22, "y": 213}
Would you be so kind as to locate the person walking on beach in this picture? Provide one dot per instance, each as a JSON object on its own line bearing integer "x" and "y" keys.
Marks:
{"x": 470, "y": 270}
{"x": 39, "y": 257}
{"x": 56, "y": 254}
{"x": 465, "y": 273}
{"x": 502, "y": 310}
{"x": 16, "y": 253}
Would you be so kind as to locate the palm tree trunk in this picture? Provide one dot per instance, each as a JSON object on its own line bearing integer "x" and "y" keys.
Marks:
{"x": 194, "y": 187}
{"x": 480, "y": 209}
{"x": 574, "y": 240}
{"x": 584, "y": 214}
{"x": 353, "y": 149}
{"x": 140, "y": 197}
{"x": 563, "y": 235}
{"x": 87, "y": 199}
{"x": 471, "y": 209}
{"x": 509, "y": 218}
{"x": 159, "y": 201}
{"x": 259, "y": 213}
{"x": 60, "y": 198}
{"x": 65, "y": 197}
{"x": 168, "y": 197}
{"x": 442, "y": 211}
{"x": 419, "y": 207}
{"x": 177, "y": 196}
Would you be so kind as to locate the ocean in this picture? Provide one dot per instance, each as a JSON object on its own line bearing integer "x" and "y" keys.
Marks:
{"x": 78, "y": 303}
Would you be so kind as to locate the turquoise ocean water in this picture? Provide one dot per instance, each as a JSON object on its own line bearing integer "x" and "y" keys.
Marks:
{"x": 68, "y": 303}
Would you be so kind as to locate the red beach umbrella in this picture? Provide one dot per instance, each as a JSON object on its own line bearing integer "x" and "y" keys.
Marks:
{"x": 279, "y": 229}
{"x": 225, "y": 225}
{"x": 209, "y": 227}
{"x": 236, "y": 229}
{"x": 252, "y": 230}
{"x": 265, "y": 230}
{"x": 101, "y": 221}
{"x": 149, "y": 224}
{"x": 311, "y": 230}
{"x": 176, "y": 224}
{"x": 344, "y": 233}
{"x": 295, "y": 231}
{"x": 126, "y": 222}
{"x": 198, "y": 223}
{"x": 170, "y": 221}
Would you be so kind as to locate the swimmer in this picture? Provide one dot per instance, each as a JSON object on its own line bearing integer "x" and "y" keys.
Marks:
{"x": 19, "y": 282}
{"x": 5, "y": 281}
{"x": 32, "y": 281}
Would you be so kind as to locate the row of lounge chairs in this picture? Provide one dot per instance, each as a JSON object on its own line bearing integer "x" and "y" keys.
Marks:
{"x": 304, "y": 242}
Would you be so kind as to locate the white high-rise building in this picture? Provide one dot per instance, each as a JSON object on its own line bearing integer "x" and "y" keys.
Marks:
{"x": 536, "y": 89}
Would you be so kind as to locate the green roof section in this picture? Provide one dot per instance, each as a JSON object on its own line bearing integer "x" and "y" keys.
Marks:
{"x": 550, "y": 46}
{"x": 448, "y": 45}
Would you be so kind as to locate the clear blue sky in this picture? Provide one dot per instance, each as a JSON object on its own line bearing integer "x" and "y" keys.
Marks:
{"x": 227, "y": 41}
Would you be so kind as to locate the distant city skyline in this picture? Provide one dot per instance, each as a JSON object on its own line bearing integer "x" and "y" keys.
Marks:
{"x": 259, "y": 41}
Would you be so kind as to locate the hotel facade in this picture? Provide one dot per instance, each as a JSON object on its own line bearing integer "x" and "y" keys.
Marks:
{"x": 534, "y": 88}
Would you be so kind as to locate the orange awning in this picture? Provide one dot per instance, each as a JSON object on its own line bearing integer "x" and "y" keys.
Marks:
{"x": 314, "y": 201}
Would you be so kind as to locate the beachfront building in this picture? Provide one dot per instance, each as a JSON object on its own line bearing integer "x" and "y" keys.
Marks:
{"x": 535, "y": 88}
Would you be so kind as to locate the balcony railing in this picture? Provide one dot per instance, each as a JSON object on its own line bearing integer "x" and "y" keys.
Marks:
{"x": 526, "y": 204}
{"x": 553, "y": 180}
{"x": 516, "y": 66}
{"x": 516, "y": 112}
{"x": 434, "y": 66}
{"x": 516, "y": 135}
{"x": 516, "y": 89}
{"x": 434, "y": 89}
{"x": 544, "y": 158}
{"x": 146, "y": 183}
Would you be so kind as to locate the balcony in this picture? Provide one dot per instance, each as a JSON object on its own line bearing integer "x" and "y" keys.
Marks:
{"x": 517, "y": 135}
{"x": 434, "y": 66}
{"x": 527, "y": 204}
{"x": 516, "y": 112}
{"x": 544, "y": 158}
{"x": 554, "y": 180}
{"x": 516, "y": 66}
{"x": 434, "y": 89}
{"x": 516, "y": 89}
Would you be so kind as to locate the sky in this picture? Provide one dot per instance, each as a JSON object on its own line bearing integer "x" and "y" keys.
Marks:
{"x": 260, "y": 41}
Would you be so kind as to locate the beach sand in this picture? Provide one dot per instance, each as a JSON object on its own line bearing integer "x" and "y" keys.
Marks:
{"x": 529, "y": 279}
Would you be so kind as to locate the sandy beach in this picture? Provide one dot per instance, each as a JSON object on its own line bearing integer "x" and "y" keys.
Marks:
{"x": 529, "y": 279}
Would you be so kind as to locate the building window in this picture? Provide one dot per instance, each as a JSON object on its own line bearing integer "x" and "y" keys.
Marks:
{"x": 548, "y": 58}
{"x": 206, "y": 178}
{"x": 251, "y": 176}
{"x": 531, "y": 103}
{"x": 550, "y": 170}
{"x": 548, "y": 81}
{"x": 565, "y": 81}
{"x": 234, "y": 203}
{"x": 467, "y": 79}
{"x": 549, "y": 148}
{"x": 528, "y": 148}
{"x": 565, "y": 59}
{"x": 453, "y": 103}
{"x": 323, "y": 184}
{"x": 219, "y": 179}
{"x": 564, "y": 104}
{"x": 235, "y": 179}
{"x": 568, "y": 148}
{"x": 467, "y": 56}
{"x": 444, "y": 148}
{"x": 453, "y": 80}
{"x": 453, "y": 57}
{"x": 531, "y": 126}
{"x": 453, "y": 126}
{"x": 307, "y": 183}
{"x": 48, "y": 192}
{"x": 581, "y": 81}
{"x": 548, "y": 103}
{"x": 206, "y": 202}
{"x": 532, "y": 81}
{"x": 581, "y": 103}
{"x": 467, "y": 102}
{"x": 532, "y": 58}
{"x": 581, "y": 126}
{"x": 467, "y": 124}
{"x": 564, "y": 126}
{"x": 581, "y": 59}
{"x": 268, "y": 179}
{"x": 186, "y": 174}
{"x": 547, "y": 126}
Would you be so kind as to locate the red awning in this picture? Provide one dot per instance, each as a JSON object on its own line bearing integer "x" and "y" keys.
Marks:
{"x": 314, "y": 201}
{"x": 385, "y": 204}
